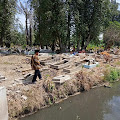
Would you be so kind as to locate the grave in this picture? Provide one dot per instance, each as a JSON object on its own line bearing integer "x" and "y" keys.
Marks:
{"x": 45, "y": 61}
{"x": 3, "y": 104}
{"x": 27, "y": 79}
{"x": 60, "y": 65}
{"x": 72, "y": 69}
{"x": 61, "y": 79}
{"x": 51, "y": 60}
{"x": 91, "y": 65}
{"x": 115, "y": 56}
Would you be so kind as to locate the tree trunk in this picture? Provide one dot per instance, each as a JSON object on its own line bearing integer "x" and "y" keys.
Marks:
{"x": 1, "y": 40}
{"x": 68, "y": 29}
{"x": 27, "y": 36}
{"x": 53, "y": 45}
{"x": 30, "y": 35}
{"x": 87, "y": 42}
{"x": 78, "y": 44}
{"x": 82, "y": 45}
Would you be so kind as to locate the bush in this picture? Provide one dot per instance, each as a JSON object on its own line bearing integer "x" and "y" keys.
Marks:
{"x": 112, "y": 74}
{"x": 24, "y": 46}
{"x": 95, "y": 47}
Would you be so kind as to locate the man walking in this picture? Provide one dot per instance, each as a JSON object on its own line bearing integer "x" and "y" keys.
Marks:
{"x": 35, "y": 64}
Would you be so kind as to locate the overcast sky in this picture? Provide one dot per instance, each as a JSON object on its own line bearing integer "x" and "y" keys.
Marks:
{"x": 22, "y": 17}
{"x": 118, "y": 1}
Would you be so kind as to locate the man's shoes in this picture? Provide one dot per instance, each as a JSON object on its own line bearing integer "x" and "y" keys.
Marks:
{"x": 33, "y": 82}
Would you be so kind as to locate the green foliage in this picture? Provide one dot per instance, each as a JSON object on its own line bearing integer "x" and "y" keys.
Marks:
{"x": 61, "y": 23}
{"x": 58, "y": 22}
{"x": 95, "y": 47}
{"x": 112, "y": 34}
{"x": 7, "y": 12}
{"x": 24, "y": 46}
{"x": 112, "y": 74}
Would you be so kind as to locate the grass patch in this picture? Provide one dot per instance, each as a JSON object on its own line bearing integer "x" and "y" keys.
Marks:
{"x": 107, "y": 66}
{"x": 112, "y": 74}
{"x": 118, "y": 63}
{"x": 7, "y": 63}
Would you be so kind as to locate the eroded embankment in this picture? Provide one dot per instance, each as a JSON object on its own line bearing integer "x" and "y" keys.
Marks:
{"x": 27, "y": 99}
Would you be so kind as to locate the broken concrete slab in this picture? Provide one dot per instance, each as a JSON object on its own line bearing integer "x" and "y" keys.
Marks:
{"x": 3, "y": 104}
{"x": 28, "y": 79}
{"x": 61, "y": 79}
{"x": 25, "y": 80}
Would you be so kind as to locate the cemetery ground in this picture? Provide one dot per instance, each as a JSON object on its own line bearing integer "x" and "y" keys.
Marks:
{"x": 25, "y": 98}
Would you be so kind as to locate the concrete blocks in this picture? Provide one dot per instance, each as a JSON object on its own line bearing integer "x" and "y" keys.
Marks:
{"x": 61, "y": 79}
{"x": 3, "y": 104}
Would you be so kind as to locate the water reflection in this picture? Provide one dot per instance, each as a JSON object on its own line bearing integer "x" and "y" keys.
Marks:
{"x": 97, "y": 104}
{"x": 114, "y": 109}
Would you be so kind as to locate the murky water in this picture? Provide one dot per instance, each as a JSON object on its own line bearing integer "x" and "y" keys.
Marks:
{"x": 97, "y": 104}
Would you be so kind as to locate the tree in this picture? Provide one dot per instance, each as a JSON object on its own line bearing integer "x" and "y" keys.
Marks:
{"x": 8, "y": 7}
{"x": 58, "y": 21}
{"x": 90, "y": 17}
{"x": 27, "y": 11}
{"x": 112, "y": 35}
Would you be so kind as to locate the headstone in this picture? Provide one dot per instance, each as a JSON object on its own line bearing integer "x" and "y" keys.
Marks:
{"x": 3, "y": 104}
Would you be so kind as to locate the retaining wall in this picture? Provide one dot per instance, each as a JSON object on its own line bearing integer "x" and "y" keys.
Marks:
{"x": 3, "y": 104}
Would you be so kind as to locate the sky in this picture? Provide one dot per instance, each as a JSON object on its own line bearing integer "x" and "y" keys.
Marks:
{"x": 22, "y": 17}
{"x": 118, "y": 1}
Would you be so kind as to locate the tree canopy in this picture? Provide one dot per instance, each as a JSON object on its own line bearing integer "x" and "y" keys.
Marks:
{"x": 58, "y": 24}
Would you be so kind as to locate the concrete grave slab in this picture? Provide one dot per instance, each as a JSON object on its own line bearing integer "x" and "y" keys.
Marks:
{"x": 26, "y": 80}
{"x": 60, "y": 65}
{"x": 50, "y": 61}
{"x": 3, "y": 104}
{"x": 72, "y": 69}
{"x": 115, "y": 56}
{"x": 61, "y": 79}
{"x": 91, "y": 65}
